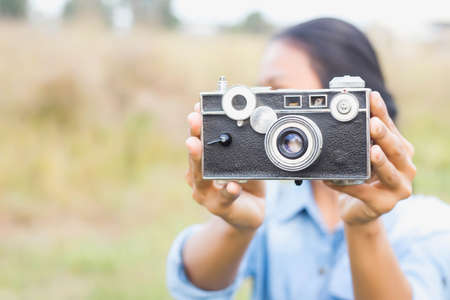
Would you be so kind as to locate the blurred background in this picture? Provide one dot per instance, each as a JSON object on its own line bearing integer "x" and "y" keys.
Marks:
{"x": 93, "y": 101}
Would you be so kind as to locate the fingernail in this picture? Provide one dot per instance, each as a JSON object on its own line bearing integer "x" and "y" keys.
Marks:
{"x": 377, "y": 152}
{"x": 188, "y": 144}
{"x": 233, "y": 188}
{"x": 190, "y": 116}
{"x": 377, "y": 156}
{"x": 377, "y": 128}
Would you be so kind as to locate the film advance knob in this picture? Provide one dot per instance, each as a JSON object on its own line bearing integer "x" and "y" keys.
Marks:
{"x": 224, "y": 139}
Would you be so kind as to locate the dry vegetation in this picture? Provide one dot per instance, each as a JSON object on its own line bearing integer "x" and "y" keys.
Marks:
{"x": 91, "y": 151}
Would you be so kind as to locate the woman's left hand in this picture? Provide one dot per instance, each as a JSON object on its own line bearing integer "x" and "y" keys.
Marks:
{"x": 392, "y": 171}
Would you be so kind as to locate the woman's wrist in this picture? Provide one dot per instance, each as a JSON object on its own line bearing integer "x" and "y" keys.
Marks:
{"x": 367, "y": 230}
{"x": 233, "y": 231}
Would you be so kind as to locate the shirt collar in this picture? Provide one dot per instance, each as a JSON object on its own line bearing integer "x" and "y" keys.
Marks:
{"x": 288, "y": 199}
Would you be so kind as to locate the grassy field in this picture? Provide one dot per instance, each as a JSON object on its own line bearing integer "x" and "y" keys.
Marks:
{"x": 92, "y": 127}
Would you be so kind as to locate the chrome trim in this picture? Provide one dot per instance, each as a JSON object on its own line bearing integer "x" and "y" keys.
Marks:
{"x": 206, "y": 113}
{"x": 211, "y": 93}
{"x": 296, "y": 91}
{"x": 222, "y": 84}
{"x": 281, "y": 178}
{"x": 346, "y": 182}
{"x": 290, "y": 111}
{"x": 369, "y": 172}
{"x": 303, "y": 110}
{"x": 347, "y": 81}
{"x": 314, "y": 91}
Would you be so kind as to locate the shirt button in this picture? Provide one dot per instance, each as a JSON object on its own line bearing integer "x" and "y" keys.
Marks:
{"x": 322, "y": 271}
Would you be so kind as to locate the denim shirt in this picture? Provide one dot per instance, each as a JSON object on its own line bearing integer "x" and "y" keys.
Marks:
{"x": 294, "y": 256}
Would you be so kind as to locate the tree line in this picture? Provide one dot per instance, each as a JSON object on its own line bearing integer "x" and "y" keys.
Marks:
{"x": 155, "y": 12}
{"x": 144, "y": 12}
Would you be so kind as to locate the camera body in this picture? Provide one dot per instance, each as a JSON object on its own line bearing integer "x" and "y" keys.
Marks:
{"x": 256, "y": 133}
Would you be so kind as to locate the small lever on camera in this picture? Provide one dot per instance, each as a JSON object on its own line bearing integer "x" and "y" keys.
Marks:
{"x": 224, "y": 139}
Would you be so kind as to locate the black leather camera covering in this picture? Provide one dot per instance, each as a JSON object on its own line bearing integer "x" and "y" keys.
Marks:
{"x": 344, "y": 153}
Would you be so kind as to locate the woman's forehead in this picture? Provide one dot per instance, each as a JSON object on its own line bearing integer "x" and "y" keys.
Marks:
{"x": 287, "y": 65}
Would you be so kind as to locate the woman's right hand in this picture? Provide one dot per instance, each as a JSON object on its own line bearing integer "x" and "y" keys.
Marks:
{"x": 240, "y": 205}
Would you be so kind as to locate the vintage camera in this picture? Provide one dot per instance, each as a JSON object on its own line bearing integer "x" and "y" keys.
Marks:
{"x": 259, "y": 133}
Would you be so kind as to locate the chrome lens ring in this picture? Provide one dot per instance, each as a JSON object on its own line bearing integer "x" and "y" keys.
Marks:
{"x": 312, "y": 133}
{"x": 231, "y": 111}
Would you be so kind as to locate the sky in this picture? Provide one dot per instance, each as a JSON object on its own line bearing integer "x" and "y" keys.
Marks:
{"x": 400, "y": 15}
{"x": 50, "y": 8}
{"x": 284, "y": 12}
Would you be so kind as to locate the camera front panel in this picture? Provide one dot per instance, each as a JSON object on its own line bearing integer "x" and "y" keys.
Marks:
{"x": 344, "y": 147}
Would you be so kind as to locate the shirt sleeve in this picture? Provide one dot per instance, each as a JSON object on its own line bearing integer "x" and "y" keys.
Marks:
{"x": 179, "y": 285}
{"x": 427, "y": 265}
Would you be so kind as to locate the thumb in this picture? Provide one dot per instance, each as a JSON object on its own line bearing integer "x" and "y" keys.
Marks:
{"x": 230, "y": 192}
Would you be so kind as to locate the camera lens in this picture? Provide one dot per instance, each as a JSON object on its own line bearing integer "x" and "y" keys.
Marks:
{"x": 292, "y": 143}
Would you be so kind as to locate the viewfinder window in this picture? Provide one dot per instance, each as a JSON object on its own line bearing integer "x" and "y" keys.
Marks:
{"x": 292, "y": 101}
{"x": 318, "y": 101}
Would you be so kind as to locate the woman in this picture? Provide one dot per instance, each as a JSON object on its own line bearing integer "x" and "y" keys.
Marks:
{"x": 318, "y": 241}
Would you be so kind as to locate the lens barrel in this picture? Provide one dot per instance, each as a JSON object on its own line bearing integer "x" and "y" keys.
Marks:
{"x": 293, "y": 143}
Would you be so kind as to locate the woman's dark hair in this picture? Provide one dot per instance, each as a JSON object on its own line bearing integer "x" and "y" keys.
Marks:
{"x": 338, "y": 48}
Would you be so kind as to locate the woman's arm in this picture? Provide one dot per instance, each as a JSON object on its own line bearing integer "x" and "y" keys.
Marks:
{"x": 375, "y": 271}
{"x": 212, "y": 255}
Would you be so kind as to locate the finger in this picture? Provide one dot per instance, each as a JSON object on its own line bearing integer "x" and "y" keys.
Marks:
{"x": 378, "y": 199}
{"x": 390, "y": 143}
{"x": 360, "y": 191}
{"x": 194, "y": 146}
{"x": 195, "y": 123}
{"x": 255, "y": 187}
{"x": 408, "y": 146}
{"x": 385, "y": 170}
{"x": 197, "y": 107}
{"x": 195, "y": 155}
{"x": 378, "y": 108}
{"x": 189, "y": 179}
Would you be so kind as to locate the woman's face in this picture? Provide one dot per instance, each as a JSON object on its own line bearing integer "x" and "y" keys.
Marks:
{"x": 286, "y": 65}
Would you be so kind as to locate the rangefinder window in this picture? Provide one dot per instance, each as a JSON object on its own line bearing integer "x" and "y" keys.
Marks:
{"x": 292, "y": 101}
{"x": 318, "y": 101}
